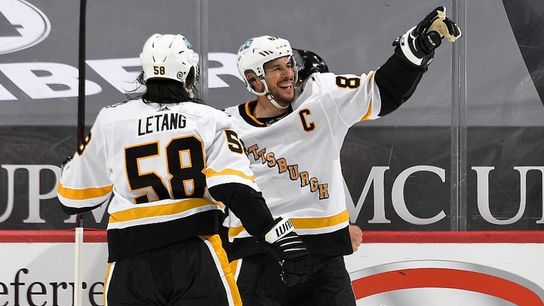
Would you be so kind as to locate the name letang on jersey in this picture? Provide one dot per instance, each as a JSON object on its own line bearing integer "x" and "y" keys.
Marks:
{"x": 161, "y": 122}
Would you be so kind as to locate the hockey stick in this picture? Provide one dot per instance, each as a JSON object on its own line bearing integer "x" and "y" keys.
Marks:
{"x": 78, "y": 239}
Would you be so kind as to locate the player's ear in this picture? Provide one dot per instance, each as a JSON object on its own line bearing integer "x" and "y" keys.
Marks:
{"x": 254, "y": 81}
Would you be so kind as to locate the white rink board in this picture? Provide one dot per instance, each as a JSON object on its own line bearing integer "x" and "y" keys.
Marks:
{"x": 43, "y": 272}
{"x": 515, "y": 263}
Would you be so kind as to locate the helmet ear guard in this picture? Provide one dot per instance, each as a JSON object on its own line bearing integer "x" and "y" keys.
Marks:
{"x": 251, "y": 79}
{"x": 170, "y": 56}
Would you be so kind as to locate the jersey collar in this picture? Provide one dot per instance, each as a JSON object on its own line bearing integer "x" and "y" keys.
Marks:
{"x": 246, "y": 112}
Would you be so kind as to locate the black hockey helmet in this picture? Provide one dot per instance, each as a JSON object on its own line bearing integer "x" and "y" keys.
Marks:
{"x": 308, "y": 62}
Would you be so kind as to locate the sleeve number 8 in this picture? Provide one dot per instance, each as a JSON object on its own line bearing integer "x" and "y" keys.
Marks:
{"x": 344, "y": 82}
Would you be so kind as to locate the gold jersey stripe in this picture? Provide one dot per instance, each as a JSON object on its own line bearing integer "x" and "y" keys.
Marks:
{"x": 235, "y": 231}
{"x": 215, "y": 241}
{"x": 234, "y": 266}
{"x": 107, "y": 279}
{"x": 158, "y": 210}
{"x": 369, "y": 111}
{"x": 250, "y": 115}
{"x": 210, "y": 172}
{"x": 305, "y": 223}
{"x": 83, "y": 194}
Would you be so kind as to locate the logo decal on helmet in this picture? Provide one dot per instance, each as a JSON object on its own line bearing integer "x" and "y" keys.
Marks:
{"x": 188, "y": 44}
{"x": 246, "y": 45}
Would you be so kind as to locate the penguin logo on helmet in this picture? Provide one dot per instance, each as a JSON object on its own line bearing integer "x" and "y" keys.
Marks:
{"x": 246, "y": 45}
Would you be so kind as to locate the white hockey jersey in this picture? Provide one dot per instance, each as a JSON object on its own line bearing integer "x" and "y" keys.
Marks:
{"x": 296, "y": 160}
{"x": 156, "y": 162}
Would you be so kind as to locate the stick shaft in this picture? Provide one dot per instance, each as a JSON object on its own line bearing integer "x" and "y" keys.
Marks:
{"x": 78, "y": 292}
{"x": 78, "y": 239}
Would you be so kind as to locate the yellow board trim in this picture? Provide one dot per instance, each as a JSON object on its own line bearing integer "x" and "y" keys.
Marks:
{"x": 305, "y": 223}
{"x": 158, "y": 210}
{"x": 210, "y": 172}
{"x": 83, "y": 194}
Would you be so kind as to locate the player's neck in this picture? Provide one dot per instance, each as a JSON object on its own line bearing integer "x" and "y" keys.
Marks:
{"x": 265, "y": 109}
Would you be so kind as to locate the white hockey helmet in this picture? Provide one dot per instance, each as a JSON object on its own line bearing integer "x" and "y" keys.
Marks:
{"x": 168, "y": 56}
{"x": 257, "y": 51}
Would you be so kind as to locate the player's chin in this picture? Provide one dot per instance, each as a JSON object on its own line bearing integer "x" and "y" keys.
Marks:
{"x": 287, "y": 95}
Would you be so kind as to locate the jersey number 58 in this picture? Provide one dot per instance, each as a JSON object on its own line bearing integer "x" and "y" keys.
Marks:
{"x": 185, "y": 162}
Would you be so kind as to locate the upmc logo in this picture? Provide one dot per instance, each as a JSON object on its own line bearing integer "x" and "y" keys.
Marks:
{"x": 22, "y": 25}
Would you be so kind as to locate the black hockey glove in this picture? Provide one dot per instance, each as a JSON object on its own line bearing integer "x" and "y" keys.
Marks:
{"x": 290, "y": 250}
{"x": 418, "y": 43}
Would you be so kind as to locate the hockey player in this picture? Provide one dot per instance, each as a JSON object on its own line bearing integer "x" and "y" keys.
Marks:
{"x": 294, "y": 142}
{"x": 308, "y": 63}
{"x": 170, "y": 164}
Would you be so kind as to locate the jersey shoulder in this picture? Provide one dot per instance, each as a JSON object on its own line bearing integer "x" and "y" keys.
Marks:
{"x": 209, "y": 117}
{"x": 119, "y": 111}
{"x": 318, "y": 83}
{"x": 202, "y": 111}
{"x": 234, "y": 111}
{"x": 313, "y": 88}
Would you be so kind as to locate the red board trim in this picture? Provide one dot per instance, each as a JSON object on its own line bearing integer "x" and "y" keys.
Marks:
{"x": 95, "y": 235}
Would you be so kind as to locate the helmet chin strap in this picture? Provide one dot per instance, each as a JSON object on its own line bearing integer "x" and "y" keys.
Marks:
{"x": 267, "y": 94}
{"x": 273, "y": 101}
{"x": 271, "y": 97}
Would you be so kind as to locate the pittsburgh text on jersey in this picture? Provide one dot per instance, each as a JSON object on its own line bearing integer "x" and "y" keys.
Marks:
{"x": 292, "y": 170}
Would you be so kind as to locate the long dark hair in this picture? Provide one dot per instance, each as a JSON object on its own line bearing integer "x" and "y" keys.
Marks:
{"x": 164, "y": 91}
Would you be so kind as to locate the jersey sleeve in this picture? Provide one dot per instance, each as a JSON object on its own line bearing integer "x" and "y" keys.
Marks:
{"x": 226, "y": 159}
{"x": 84, "y": 183}
{"x": 352, "y": 98}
